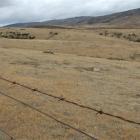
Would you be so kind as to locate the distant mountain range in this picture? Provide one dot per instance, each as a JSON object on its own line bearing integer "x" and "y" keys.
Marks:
{"x": 130, "y": 18}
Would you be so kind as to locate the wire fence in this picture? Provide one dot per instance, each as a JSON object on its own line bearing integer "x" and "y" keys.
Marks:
{"x": 49, "y": 116}
{"x": 101, "y": 112}
{"x": 7, "y": 134}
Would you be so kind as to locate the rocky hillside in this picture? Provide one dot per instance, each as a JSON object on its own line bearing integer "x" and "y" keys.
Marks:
{"x": 129, "y": 18}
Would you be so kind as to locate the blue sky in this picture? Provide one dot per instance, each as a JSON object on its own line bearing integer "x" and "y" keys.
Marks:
{"x": 13, "y": 11}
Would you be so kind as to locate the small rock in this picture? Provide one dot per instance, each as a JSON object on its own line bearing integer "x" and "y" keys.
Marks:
{"x": 96, "y": 69}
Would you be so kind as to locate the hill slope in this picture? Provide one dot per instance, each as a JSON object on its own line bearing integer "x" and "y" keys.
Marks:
{"x": 129, "y": 18}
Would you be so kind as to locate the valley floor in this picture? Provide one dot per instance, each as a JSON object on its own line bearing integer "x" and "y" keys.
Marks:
{"x": 83, "y": 86}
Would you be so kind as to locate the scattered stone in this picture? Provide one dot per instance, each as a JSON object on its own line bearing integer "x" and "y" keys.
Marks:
{"x": 96, "y": 69}
{"x": 91, "y": 69}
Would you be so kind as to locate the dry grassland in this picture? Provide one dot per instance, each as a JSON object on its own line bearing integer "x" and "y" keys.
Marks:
{"x": 77, "y": 65}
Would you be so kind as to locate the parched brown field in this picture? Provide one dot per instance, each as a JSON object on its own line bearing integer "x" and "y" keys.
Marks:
{"x": 82, "y": 68}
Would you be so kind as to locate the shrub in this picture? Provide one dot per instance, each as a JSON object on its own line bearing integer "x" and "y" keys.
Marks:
{"x": 100, "y": 33}
{"x": 138, "y": 40}
{"x": 17, "y": 35}
{"x": 48, "y": 51}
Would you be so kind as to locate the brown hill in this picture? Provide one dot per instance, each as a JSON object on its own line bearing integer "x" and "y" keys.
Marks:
{"x": 129, "y": 18}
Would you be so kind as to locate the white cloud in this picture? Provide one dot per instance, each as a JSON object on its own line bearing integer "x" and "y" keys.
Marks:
{"x": 38, "y": 10}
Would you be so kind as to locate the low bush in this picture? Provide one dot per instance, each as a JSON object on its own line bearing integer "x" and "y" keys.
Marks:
{"x": 131, "y": 37}
{"x": 16, "y": 35}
